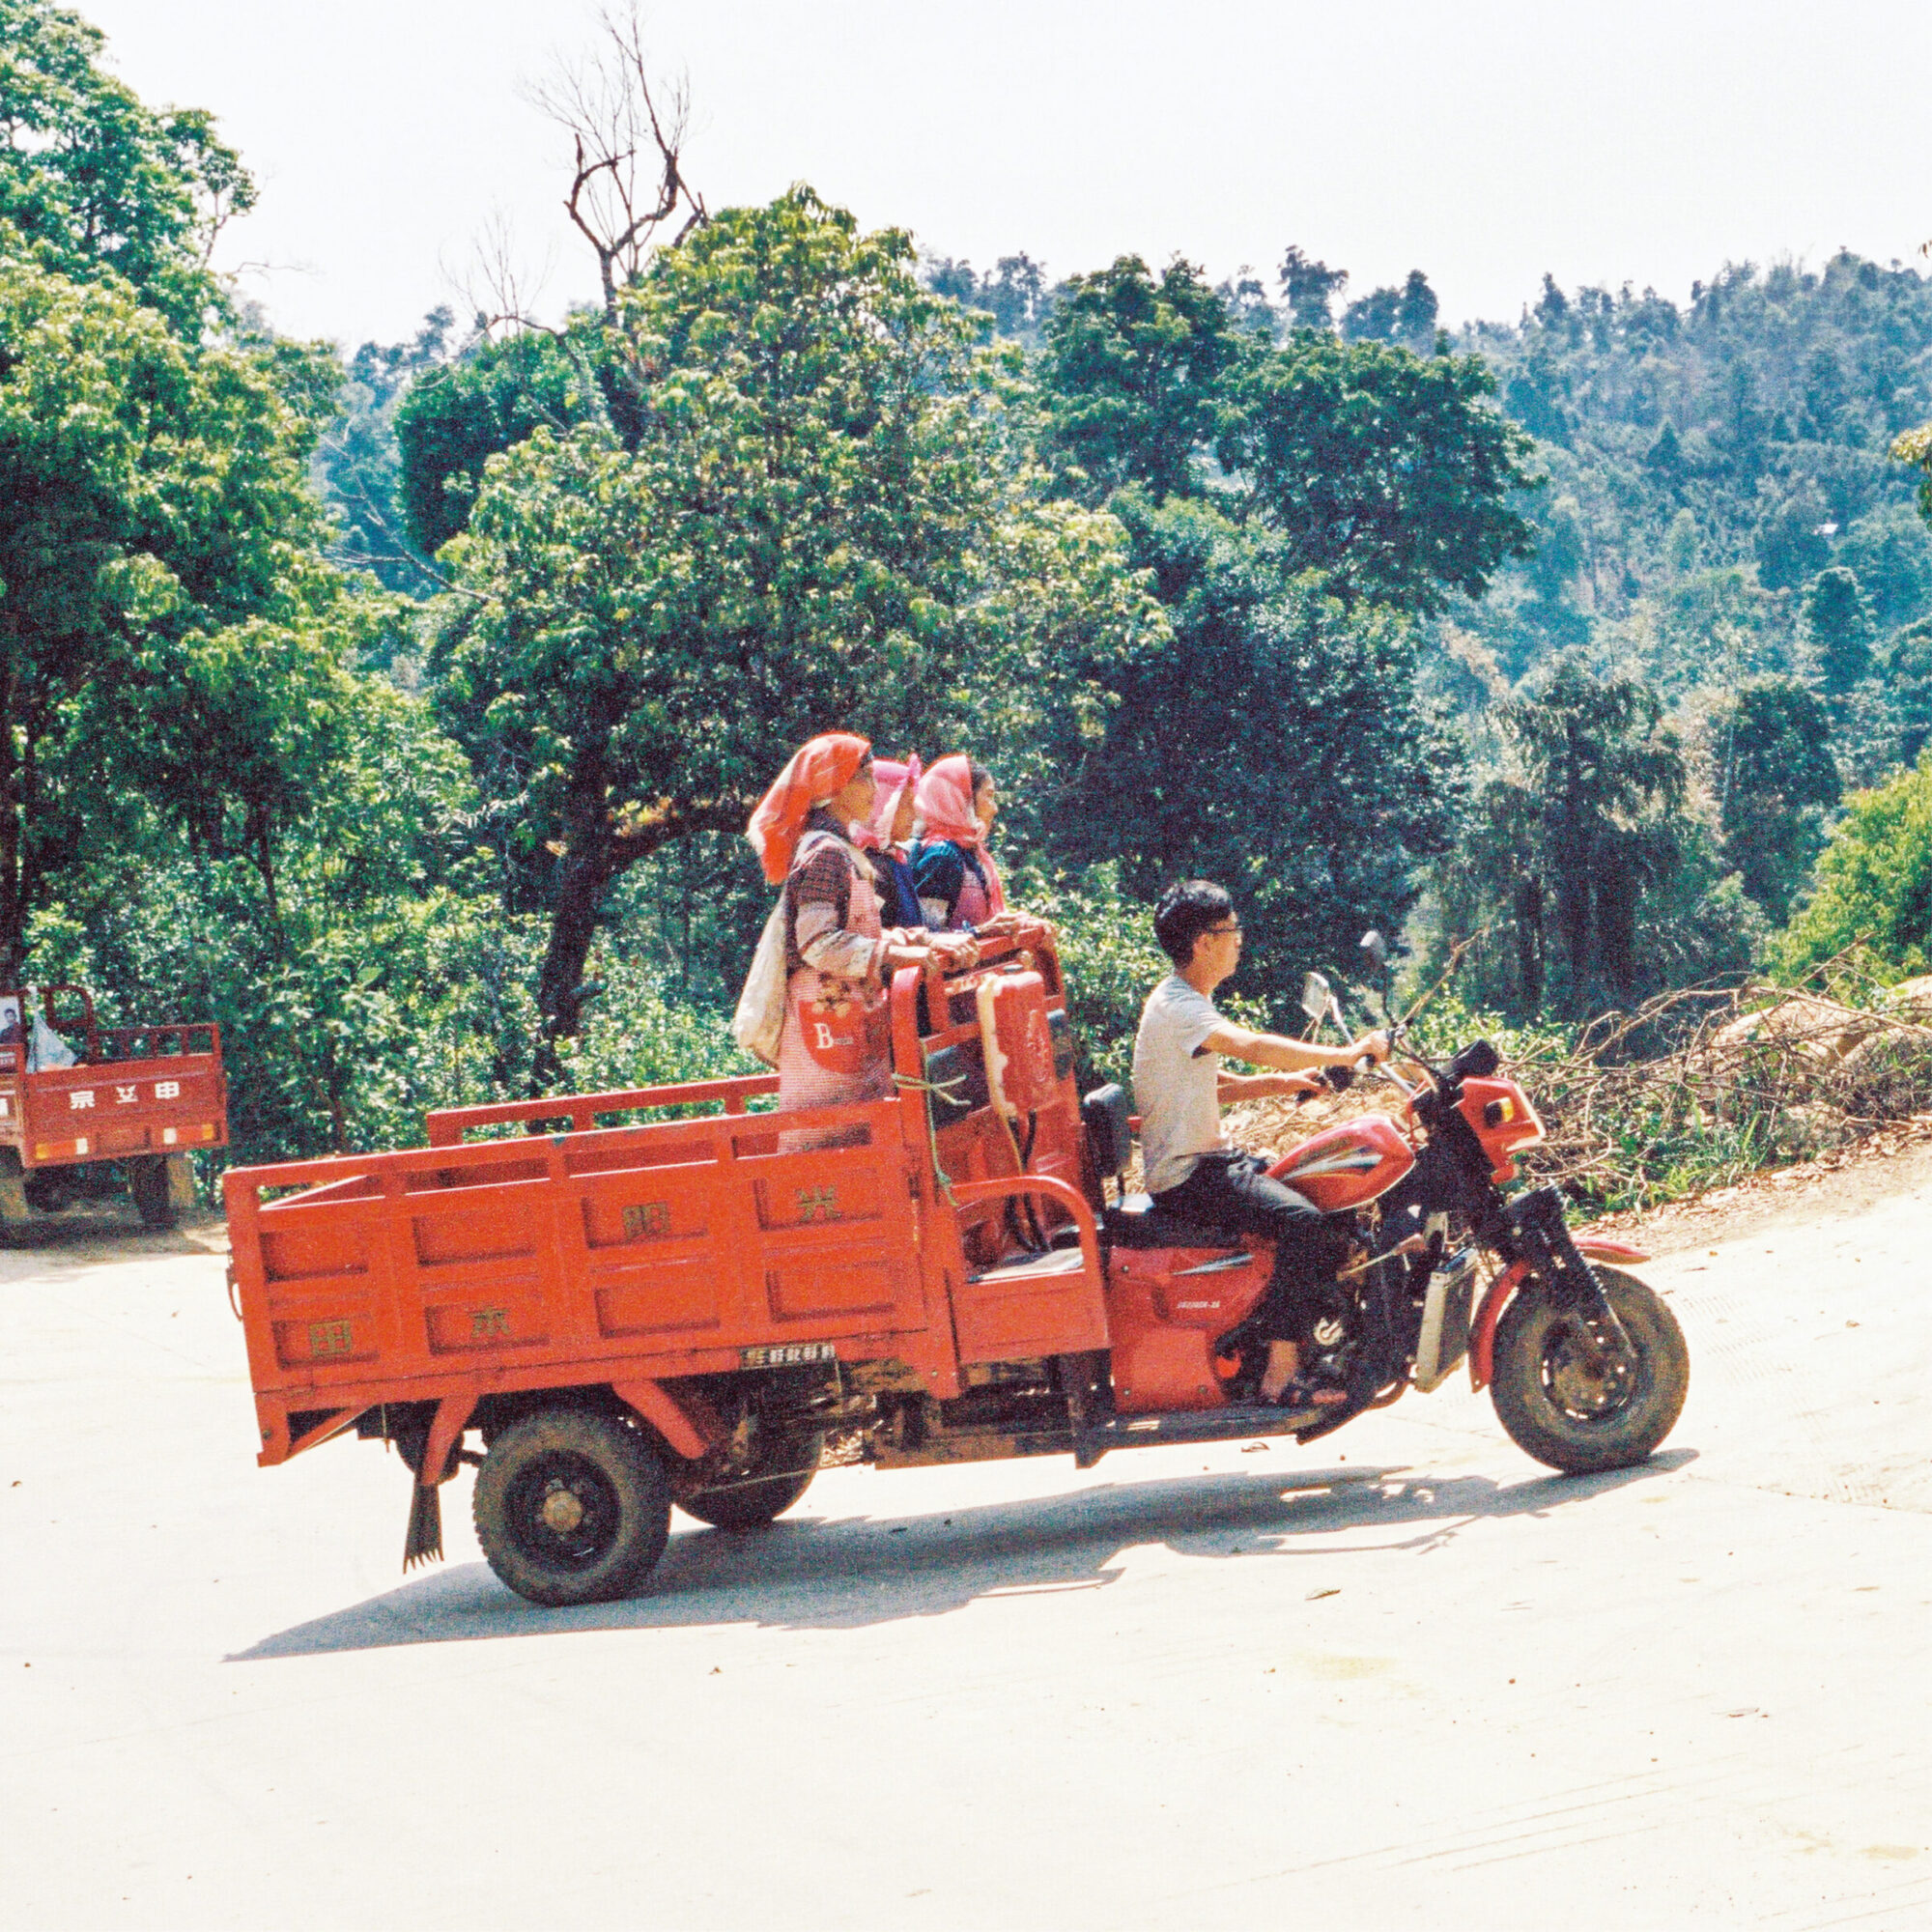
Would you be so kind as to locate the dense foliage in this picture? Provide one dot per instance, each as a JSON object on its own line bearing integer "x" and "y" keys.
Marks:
{"x": 403, "y": 713}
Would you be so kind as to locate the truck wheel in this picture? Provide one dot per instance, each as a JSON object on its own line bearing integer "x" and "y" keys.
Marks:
{"x": 1580, "y": 1413}
{"x": 147, "y": 1183}
{"x": 572, "y": 1507}
{"x": 16, "y": 1210}
{"x": 781, "y": 1474}
{"x": 46, "y": 1193}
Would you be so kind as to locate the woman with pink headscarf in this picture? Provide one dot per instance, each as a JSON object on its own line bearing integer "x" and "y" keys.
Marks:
{"x": 883, "y": 841}
{"x": 958, "y": 884}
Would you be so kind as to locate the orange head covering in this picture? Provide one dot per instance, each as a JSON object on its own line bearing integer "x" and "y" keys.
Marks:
{"x": 943, "y": 802}
{"x": 822, "y": 766}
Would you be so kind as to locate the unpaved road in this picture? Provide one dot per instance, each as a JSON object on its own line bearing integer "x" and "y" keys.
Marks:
{"x": 1400, "y": 1680}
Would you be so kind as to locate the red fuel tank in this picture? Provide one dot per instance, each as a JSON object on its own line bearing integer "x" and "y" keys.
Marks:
{"x": 1349, "y": 1164}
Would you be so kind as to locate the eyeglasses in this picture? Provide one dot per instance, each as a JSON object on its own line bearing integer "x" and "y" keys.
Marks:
{"x": 1216, "y": 931}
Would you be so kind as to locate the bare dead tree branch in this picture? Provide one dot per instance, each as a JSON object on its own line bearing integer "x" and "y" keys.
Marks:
{"x": 497, "y": 290}
{"x": 627, "y": 138}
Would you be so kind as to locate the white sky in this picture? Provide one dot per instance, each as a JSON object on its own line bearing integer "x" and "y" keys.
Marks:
{"x": 1482, "y": 142}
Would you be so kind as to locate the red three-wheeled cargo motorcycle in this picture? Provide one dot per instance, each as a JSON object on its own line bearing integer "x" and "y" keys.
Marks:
{"x": 630, "y": 1313}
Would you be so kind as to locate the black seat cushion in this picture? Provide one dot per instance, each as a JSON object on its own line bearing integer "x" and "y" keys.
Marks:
{"x": 1105, "y": 1113}
{"x": 1137, "y": 1223}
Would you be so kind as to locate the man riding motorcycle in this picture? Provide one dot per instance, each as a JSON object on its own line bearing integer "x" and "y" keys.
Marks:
{"x": 1191, "y": 1172}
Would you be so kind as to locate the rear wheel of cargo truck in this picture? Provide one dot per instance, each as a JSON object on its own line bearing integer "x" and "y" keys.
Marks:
{"x": 162, "y": 1185}
{"x": 573, "y": 1507}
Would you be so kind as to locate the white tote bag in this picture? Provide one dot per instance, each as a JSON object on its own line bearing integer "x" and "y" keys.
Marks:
{"x": 762, "y": 1007}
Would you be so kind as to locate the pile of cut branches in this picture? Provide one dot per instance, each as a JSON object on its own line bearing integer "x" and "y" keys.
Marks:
{"x": 1694, "y": 1090}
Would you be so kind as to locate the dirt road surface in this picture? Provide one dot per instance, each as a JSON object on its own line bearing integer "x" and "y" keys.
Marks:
{"x": 1401, "y": 1679}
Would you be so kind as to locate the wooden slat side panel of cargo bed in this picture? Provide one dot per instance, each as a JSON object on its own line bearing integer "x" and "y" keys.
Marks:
{"x": 614, "y": 1246}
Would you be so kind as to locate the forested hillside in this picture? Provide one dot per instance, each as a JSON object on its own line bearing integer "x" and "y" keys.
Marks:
{"x": 1723, "y": 622}
{"x": 402, "y": 708}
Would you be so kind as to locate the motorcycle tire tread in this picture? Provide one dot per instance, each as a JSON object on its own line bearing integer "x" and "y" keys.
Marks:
{"x": 1535, "y": 1424}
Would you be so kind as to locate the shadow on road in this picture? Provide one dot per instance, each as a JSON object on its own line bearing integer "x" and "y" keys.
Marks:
{"x": 847, "y": 1572}
{"x": 104, "y": 1231}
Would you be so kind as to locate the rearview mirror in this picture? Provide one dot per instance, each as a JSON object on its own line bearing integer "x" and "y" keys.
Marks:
{"x": 1316, "y": 998}
{"x": 1376, "y": 947}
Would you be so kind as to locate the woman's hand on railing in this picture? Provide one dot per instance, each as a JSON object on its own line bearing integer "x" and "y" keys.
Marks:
{"x": 958, "y": 951}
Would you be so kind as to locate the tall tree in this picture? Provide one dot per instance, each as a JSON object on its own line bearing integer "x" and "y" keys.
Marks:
{"x": 358, "y": 463}
{"x": 1406, "y": 315}
{"x": 1134, "y": 368}
{"x": 1390, "y": 474}
{"x": 1274, "y": 741}
{"x": 459, "y": 414}
{"x": 1578, "y": 827}
{"x": 161, "y": 580}
{"x": 1839, "y": 623}
{"x": 825, "y": 519}
{"x": 102, "y": 184}
{"x": 1778, "y": 780}
{"x": 1310, "y": 289}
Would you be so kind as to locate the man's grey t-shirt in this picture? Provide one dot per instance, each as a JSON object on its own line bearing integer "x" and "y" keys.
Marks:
{"x": 1175, "y": 1083}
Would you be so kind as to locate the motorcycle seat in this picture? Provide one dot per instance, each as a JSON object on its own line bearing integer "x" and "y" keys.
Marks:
{"x": 1138, "y": 1223}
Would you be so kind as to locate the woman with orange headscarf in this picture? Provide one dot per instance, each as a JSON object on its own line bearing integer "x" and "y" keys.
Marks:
{"x": 833, "y": 1048}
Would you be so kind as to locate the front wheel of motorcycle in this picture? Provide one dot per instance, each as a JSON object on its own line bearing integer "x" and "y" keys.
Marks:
{"x": 1575, "y": 1398}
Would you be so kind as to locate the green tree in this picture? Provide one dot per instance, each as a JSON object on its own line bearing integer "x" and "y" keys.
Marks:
{"x": 459, "y": 414}
{"x": 1273, "y": 741}
{"x": 1568, "y": 839}
{"x": 1406, "y": 315}
{"x": 377, "y": 979}
{"x": 1135, "y": 367}
{"x": 827, "y": 519}
{"x": 1778, "y": 780}
{"x": 1388, "y": 473}
{"x": 155, "y": 533}
{"x": 359, "y": 463}
{"x": 1310, "y": 289}
{"x": 1839, "y": 623}
{"x": 1874, "y": 881}
{"x": 1014, "y": 292}
{"x": 1907, "y": 683}
{"x": 101, "y": 184}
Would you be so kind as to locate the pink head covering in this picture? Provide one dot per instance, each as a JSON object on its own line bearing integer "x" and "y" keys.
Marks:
{"x": 895, "y": 781}
{"x": 945, "y": 802}
{"x": 818, "y": 768}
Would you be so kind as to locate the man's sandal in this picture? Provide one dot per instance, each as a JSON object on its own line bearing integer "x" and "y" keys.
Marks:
{"x": 1300, "y": 1394}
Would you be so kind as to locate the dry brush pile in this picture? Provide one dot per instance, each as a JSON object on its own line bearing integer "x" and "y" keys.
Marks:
{"x": 1694, "y": 1089}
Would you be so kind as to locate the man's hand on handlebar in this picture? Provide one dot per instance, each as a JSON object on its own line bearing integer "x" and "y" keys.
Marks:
{"x": 1286, "y": 1086}
{"x": 1372, "y": 1046}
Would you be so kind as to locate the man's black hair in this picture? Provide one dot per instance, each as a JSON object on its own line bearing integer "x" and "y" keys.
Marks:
{"x": 1186, "y": 910}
